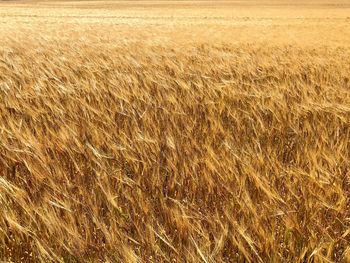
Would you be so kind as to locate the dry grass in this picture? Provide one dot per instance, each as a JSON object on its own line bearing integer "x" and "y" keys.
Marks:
{"x": 175, "y": 132}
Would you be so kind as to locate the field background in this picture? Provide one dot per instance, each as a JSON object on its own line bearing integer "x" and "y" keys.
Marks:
{"x": 175, "y": 131}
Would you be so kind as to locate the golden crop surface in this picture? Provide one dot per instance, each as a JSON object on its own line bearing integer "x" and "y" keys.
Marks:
{"x": 175, "y": 131}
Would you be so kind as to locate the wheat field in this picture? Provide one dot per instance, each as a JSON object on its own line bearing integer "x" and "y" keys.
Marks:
{"x": 175, "y": 131}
